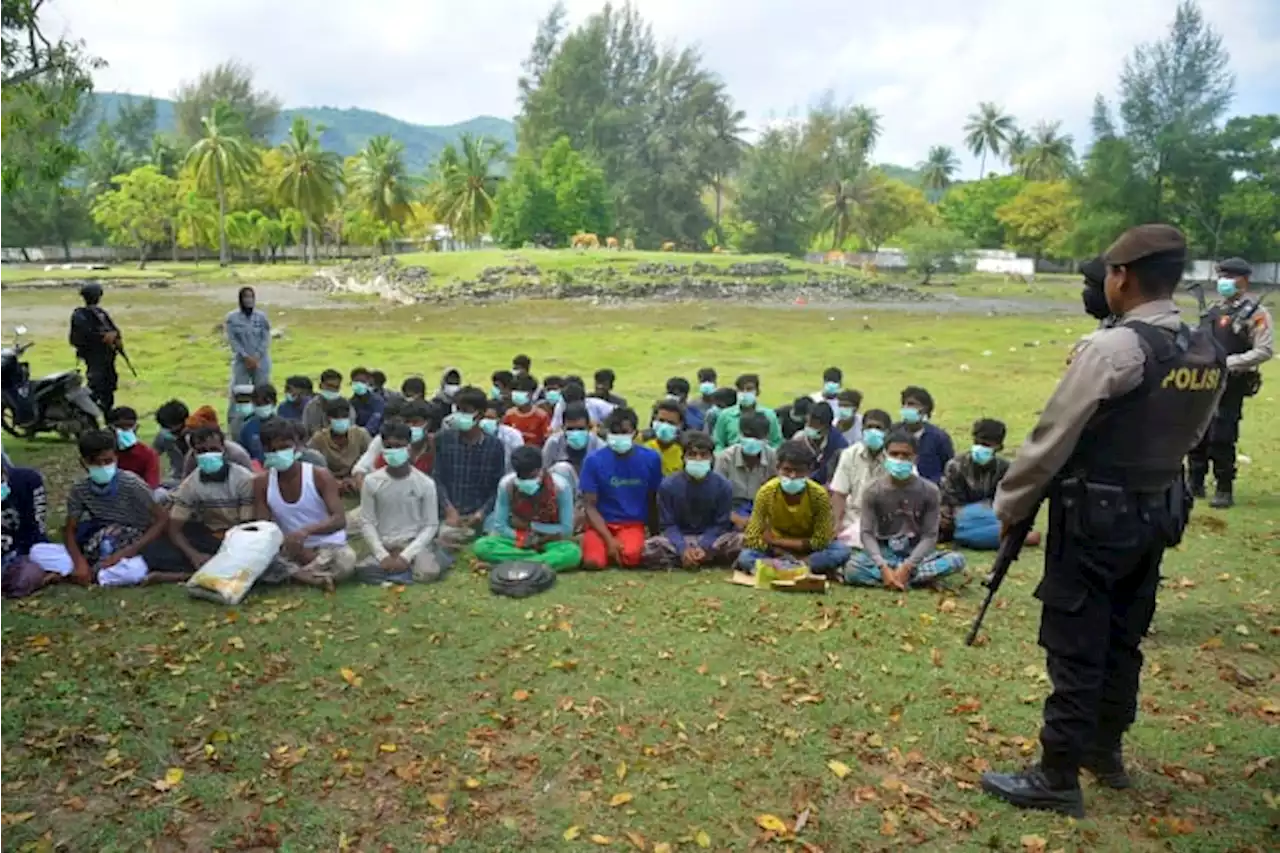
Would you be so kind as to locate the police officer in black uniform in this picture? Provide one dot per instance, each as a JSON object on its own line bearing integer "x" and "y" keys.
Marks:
{"x": 1108, "y": 452}
{"x": 96, "y": 340}
{"x": 1244, "y": 328}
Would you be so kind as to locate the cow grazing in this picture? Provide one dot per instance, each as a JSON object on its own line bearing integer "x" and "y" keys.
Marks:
{"x": 611, "y": 243}
{"x": 668, "y": 246}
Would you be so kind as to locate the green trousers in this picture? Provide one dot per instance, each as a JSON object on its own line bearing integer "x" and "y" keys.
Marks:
{"x": 560, "y": 555}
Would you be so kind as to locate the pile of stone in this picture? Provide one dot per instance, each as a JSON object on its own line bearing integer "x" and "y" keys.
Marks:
{"x": 496, "y": 275}
{"x": 758, "y": 269}
{"x": 385, "y": 278}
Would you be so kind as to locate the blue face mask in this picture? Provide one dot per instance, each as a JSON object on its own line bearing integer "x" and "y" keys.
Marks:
{"x": 395, "y": 457}
{"x": 899, "y": 469}
{"x": 713, "y": 410}
{"x": 244, "y": 410}
{"x": 665, "y": 432}
{"x": 330, "y": 394}
{"x": 752, "y": 446}
{"x": 126, "y": 438}
{"x": 165, "y": 434}
{"x": 416, "y": 433}
{"x": 264, "y": 412}
{"x": 102, "y": 474}
{"x": 813, "y": 433}
{"x": 981, "y": 454}
{"x": 707, "y": 388}
{"x": 910, "y": 415}
{"x": 1227, "y": 287}
{"x": 280, "y": 460}
{"x": 290, "y": 396}
{"x": 553, "y": 397}
{"x": 495, "y": 393}
{"x": 792, "y": 485}
{"x": 489, "y": 425}
{"x": 620, "y": 444}
{"x": 698, "y": 469}
{"x": 873, "y": 438}
{"x": 4, "y": 491}
{"x": 845, "y": 413}
{"x": 340, "y": 426}
{"x": 830, "y": 389}
{"x": 520, "y": 398}
{"x": 464, "y": 421}
{"x": 747, "y": 398}
{"x": 576, "y": 438}
{"x": 359, "y": 389}
{"x": 528, "y": 487}
{"x": 210, "y": 463}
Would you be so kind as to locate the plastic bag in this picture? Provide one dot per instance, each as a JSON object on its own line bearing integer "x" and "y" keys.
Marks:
{"x": 246, "y": 552}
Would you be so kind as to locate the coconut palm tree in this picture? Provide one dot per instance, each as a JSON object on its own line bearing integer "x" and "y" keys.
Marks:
{"x": 841, "y": 199}
{"x": 222, "y": 157}
{"x": 310, "y": 178}
{"x": 464, "y": 184}
{"x": 864, "y": 128}
{"x": 937, "y": 169}
{"x": 724, "y": 150}
{"x": 986, "y": 132}
{"x": 1016, "y": 147}
{"x": 1049, "y": 156}
{"x": 380, "y": 182}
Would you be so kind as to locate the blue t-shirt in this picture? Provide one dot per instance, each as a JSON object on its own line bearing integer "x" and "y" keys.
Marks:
{"x": 622, "y": 485}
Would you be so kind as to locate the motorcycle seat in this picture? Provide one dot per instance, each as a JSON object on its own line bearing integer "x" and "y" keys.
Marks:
{"x": 57, "y": 377}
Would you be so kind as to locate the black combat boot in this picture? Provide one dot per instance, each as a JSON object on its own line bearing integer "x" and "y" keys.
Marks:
{"x": 1038, "y": 787}
{"x": 1196, "y": 481}
{"x": 1223, "y": 499}
{"x": 1107, "y": 766}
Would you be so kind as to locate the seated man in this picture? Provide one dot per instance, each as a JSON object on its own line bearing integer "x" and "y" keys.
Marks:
{"x": 491, "y": 423}
{"x": 303, "y": 500}
{"x": 297, "y": 394}
{"x": 727, "y": 431}
{"x": 722, "y": 399}
{"x": 170, "y": 444}
{"x": 313, "y": 416}
{"x": 521, "y": 365}
{"x": 747, "y": 466}
{"x": 264, "y": 406}
{"x": 564, "y": 452}
{"x": 114, "y": 526}
{"x": 935, "y": 447}
{"x": 378, "y": 384}
{"x": 342, "y": 445}
{"x": 832, "y": 384}
{"x": 668, "y": 417}
{"x": 968, "y": 490}
{"x": 694, "y": 506}
{"x": 366, "y": 405}
{"x": 900, "y": 525}
{"x": 399, "y": 514}
{"x": 703, "y": 401}
{"x": 500, "y": 390}
{"x": 241, "y": 408}
{"x": 414, "y": 388}
{"x": 859, "y": 465}
{"x": 211, "y": 501}
{"x": 417, "y": 415}
{"x": 791, "y": 518}
{"x": 822, "y": 438}
{"x": 532, "y": 518}
{"x": 552, "y": 389}
{"x": 619, "y": 490}
{"x": 605, "y": 379}
{"x": 597, "y": 409}
{"x": 132, "y": 455}
{"x": 468, "y": 466}
{"x": 450, "y": 385}
{"x": 30, "y": 561}
{"x": 206, "y": 416}
{"x": 848, "y": 421}
{"x": 793, "y": 418}
{"x": 533, "y": 424}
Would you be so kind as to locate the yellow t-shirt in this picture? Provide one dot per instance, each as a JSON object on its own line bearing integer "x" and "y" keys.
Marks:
{"x": 672, "y": 457}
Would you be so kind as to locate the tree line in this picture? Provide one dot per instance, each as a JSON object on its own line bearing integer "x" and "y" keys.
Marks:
{"x": 618, "y": 136}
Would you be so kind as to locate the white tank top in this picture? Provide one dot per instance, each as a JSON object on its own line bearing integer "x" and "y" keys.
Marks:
{"x": 309, "y": 509}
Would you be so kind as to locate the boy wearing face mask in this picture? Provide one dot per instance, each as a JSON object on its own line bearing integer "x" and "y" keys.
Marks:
{"x": 747, "y": 466}
{"x": 367, "y": 406}
{"x": 694, "y": 508}
{"x": 859, "y": 465}
{"x": 722, "y": 399}
{"x": 468, "y": 466}
{"x": 619, "y": 490}
{"x": 824, "y": 440}
{"x": 566, "y": 451}
{"x": 313, "y": 416}
{"x": 900, "y": 525}
{"x": 678, "y": 392}
{"x": 491, "y": 423}
{"x": 699, "y": 405}
{"x": 668, "y": 416}
{"x": 791, "y": 518}
{"x": 399, "y": 514}
{"x": 241, "y": 409}
{"x": 832, "y": 383}
{"x": 727, "y": 429}
{"x": 848, "y": 419}
{"x": 551, "y": 393}
{"x": 264, "y": 406}
{"x": 298, "y": 392}
{"x": 214, "y": 499}
{"x": 532, "y": 422}
{"x": 450, "y": 385}
{"x": 532, "y": 518}
{"x": 342, "y": 444}
{"x": 170, "y": 441}
{"x": 132, "y": 455}
{"x": 968, "y": 489}
{"x": 934, "y": 447}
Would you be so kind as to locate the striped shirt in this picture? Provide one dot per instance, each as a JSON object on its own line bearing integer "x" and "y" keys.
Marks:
{"x": 125, "y": 501}
{"x": 218, "y": 504}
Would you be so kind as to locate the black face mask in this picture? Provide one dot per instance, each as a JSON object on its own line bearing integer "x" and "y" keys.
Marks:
{"x": 1095, "y": 302}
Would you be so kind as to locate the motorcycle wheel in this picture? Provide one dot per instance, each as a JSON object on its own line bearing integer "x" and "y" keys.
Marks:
{"x": 9, "y": 422}
{"x": 80, "y": 422}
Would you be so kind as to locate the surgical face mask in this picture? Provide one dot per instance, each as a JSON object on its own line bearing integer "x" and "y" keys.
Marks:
{"x": 211, "y": 462}
{"x": 165, "y": 433}
{"x": 698, "y": 469}
{"x": 576, "y": 438}
{"x": 873, "y": 438}
{"x": 830, "y": 389}
{"x": 1227, "y": 287}
{"x": 619, "y": 443}
{"x": 464, "y": 421}
{"x": 746, "y": 398}
{"x": 981, "y": 454}
{"x": 126, "y": 438}
{"x": 489, "y": 425}
{"x": 340, "y": 426}
{"x": 290, "y": 396}
{"x": 264, "y": 412}
{"x": 910, "y": 415}
{"x": 792, "y": 485}
{"x": 244, "y": 409}
{"x": 450, "y": 390}
{"x": 712, "y": 410}
{"x": 899, "y": 469}
{"x": 417, "y": 433}
{"x": 752, "y": 446}
{"x": 4, "y": 491}
{"x": 102, "y": 474}
{"x": 359, "y": 389}
{"x": 520, "y": 398}
{"x": 330, "y": 394}
{"x": 553, "y": 397}
{"x": 707, "y": 388}
{"x": 845, "y": 413}
{"x": 395, "y": 457}
{"x": 665, "y": 432}
{"x": 495, "y": 393}
{"x": 813, "y": 433}
{"x": 280, "y": 460}
{"x": 1095, "y": 302}
{"x": 528, "y": 487}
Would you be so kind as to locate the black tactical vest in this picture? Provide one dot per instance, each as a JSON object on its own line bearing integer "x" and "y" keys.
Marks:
{"x": 1138, "y": 441}
{"x": 1222, "y": 320}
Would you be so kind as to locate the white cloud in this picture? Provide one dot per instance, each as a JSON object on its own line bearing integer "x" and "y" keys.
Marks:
{"x": 923, "y": 63}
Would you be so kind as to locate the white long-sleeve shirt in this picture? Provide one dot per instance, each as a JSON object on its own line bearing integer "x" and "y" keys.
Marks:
{"x": 398, "y": 512}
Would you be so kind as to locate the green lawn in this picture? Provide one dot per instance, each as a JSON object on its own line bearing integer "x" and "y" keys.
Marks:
{"x": 619, "y": 711}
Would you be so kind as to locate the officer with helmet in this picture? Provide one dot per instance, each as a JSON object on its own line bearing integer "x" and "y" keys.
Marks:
{"x": 96, "y": 340}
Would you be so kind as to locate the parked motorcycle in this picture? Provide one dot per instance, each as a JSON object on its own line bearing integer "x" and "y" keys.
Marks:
{"x": 57, "y": 403}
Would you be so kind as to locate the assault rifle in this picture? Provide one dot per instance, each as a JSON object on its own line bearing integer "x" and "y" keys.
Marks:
{"x": 1010, "y": 549}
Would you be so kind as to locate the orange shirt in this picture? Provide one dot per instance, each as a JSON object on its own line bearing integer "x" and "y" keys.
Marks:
{"x": 534, "y": 425}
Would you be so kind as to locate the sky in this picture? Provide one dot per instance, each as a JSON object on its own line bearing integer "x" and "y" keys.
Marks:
{"x": 923, "y": 64}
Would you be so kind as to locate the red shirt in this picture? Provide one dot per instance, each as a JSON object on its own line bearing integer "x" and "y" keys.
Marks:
{"x": 422, "y": 461}
{"x": 534, "y": 425}
{"x": 141, "y": 460}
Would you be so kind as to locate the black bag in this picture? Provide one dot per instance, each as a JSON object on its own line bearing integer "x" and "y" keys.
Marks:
{"x": 520, "y": 579}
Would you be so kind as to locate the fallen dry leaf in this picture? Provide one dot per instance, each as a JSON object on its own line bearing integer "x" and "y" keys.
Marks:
{"x": 661, "y": 847}
{"x": 172, "y": 779}
{"x": 1254, "y": 766}
{"x": 602, "y": 840}
{"x": 621, "y": 771}
{"x": 637, "y": 840}
{"x": 520, "y": 695}
{"x": 1211, "y": 644}
{"x": 16, "y": 818}
{"x": 888, "y": 823}
{"x": 620, "y": 799}
{"x": 349, "y": 676}
{"x": 839, "y": 768}
{"x": 440, "y": 801}
{"x": 387, "y": 747}
{"x": 772, "y": 823}
{"x": 947, "y": 605}
{"x": 471, "y": 783}
{"x": 935, "y": 657}
{"x": 1034, "y": 844}
{"x": 702, "y": 839}
{"x": 572, "y": 832}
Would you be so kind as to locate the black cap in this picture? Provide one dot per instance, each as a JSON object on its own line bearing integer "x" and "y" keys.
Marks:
{"x": 1235, "y": 266}
{"x": 1145, "y": 241}
{"x": 91, "y": 288}
{"x": 1094, "y": 271}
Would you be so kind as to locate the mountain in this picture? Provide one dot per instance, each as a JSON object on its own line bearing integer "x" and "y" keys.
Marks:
{"x": 906, "y": 174}
{"x": 347, "y": 130}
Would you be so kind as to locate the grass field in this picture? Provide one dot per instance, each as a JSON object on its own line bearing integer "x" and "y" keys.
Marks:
{"x": 619, "y": 711}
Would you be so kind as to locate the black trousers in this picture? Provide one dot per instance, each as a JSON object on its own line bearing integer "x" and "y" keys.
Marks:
{"x": 1102, "y": 568}
{"x": 1219, "y": 443}
{"x": 102, "y": 379}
